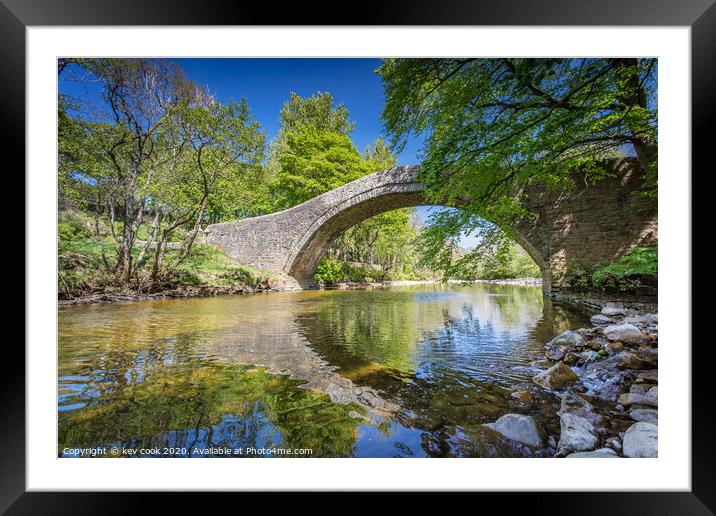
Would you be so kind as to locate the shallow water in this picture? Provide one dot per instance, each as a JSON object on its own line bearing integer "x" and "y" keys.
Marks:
{"x": 407, "y": 371}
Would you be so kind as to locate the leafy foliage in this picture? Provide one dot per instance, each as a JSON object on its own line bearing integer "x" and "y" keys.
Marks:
{"x": 315, "y": 162}
{"x": 496, "y": 126}
{"x": 639, "y": 267}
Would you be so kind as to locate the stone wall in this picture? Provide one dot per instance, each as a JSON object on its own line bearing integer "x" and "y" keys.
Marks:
{"x": 593, "y": 224}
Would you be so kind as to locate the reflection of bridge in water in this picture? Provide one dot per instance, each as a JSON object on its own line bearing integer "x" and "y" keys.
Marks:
{"x": 371, "y": 354}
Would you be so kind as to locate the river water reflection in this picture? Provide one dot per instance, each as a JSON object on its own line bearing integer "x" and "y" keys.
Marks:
{"x": 384, "y": 372}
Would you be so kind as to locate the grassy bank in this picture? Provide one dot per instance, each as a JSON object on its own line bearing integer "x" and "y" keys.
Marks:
{"x": 83, "y": 271}
{"x": 632, "y": 273}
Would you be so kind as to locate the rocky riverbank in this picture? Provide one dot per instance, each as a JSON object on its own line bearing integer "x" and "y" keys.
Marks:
{"x": 606, "y": 378}
{"x": 274, "y": 283}
{"x": 529, "y": 282}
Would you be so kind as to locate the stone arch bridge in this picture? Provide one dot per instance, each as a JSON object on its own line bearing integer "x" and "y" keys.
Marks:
{"x": 590, "y": 225}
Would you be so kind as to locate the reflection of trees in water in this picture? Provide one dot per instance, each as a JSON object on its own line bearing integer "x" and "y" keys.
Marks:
{"x": 146, "y": 380}
{"x": 170, "y": 396}
{"x": 417, "y": 355}
{"x": 556, "y": 319}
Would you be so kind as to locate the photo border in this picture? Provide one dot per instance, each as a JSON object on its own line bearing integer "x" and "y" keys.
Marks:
{"x": 700, "y": 15}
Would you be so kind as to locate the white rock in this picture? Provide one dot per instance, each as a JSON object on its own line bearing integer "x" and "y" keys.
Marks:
{"x": 518, "y": 428}
{"x": 568, "y": 338}
{"x": 641, "y": 440}
{"x": 556, "y": 377}
{"x": 640, "y": 395}
{"x": 648, "y": 415}
{"x": 601, "y": 453}
{"x": 576, "y": 434}
{"x": 613, "y": 310}
{"x": 625, "y": 333}
{"x": 600, "y": 320}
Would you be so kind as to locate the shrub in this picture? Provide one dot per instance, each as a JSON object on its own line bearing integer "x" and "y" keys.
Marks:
{"x": 329, "y": 271}
{"x": 72, "y": 227}
{"x": 641, "y": 261}
{"x": 627, "y": 274}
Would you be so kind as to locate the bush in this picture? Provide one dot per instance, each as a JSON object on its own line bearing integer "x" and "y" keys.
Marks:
{"x": 641, "y": 261}
{"x": 329, "y": 271}
{"x": 72, "y": 227}
{"x": 627, "y": 274}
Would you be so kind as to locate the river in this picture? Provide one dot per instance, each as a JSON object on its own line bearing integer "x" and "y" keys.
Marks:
{"x": 410, "y": 371}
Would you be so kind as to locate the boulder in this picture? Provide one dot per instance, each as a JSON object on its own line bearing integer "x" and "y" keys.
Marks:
{"x": 600, "y": 320}
{"x": 641, "y": 440}
{"x": 574, "y": 404}
{"x": 640, "y": 394}
{"x": 596, "y": 344}
{"x": 555, "y": 354}
{"x": 601, "y": 453}
{"x": 625, "y": 333}
{"x": 576, "y": 434}
{"x": 648, "y": 376}
{"x": 614, "y": 443}
{"x": 570, "y": 358}
{"x": 525, "y": 397}
{"x": 642, "y": 319}
{"x": 612, "y": 309}
{"x": 519, "y": 428}
{"x": 555, "y": 377}
{"x": 638, "y": 360}
{"x": 568, "y": 338}
{"x": 646, "y": 415}
{"x": 613, "y": 347}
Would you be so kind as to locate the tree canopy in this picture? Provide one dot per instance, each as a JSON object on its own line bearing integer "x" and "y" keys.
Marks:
{"x": 495, "y": 126}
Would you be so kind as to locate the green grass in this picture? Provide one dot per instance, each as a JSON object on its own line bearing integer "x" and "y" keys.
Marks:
{"x": 82, "y": 271}
{"x": 640, "y": 267}
{"x": 641, "y": 261}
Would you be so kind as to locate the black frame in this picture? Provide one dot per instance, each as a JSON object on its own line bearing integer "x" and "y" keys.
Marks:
{"x": 700, "y": 15}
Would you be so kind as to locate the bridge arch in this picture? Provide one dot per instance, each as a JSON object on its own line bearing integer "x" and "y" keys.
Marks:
{"x": 293, "y": 241}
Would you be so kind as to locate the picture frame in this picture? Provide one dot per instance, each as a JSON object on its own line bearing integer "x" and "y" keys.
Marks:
{"x": 700, "y": 15}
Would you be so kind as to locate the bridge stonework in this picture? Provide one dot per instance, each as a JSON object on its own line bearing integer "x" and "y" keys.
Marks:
{"x": 587, "y": 226}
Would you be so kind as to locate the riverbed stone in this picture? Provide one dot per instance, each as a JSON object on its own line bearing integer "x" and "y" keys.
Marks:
{"x": 570, "y": 358}
{"x": 555, "y": 354}
{"x": 640, "y": 394}
{"x": 601, "y": 320}
{"x": 572, "y": 403}
{"x": 519, "y": 428}
{"x": 637, "y": 360}
{"x": 601, "y": 453}
{"x": 641, "y": 440}
{"x": 525, "y": 397}
{"x": 644, "y": 414}
{"x": 575, "y": 404}
{"x": 648, "y": 376}
{"x": 577, "y": 434}
{"x": 612, "y": 309}
{"x": 568, "y": 338}
{"x": 555, "y": 377}
{"x": 614, "y": 443}
{"x": 627, "y": 333}
{"x": 642, "y": 319}
{"x": 613, "y": 347}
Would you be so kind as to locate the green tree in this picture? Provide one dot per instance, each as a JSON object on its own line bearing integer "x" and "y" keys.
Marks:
{"x": 298, "y": 113}
{"x": 379, "y": 155}
{"x": 209, "y": 143}
{"x": 496, "y": 126}
{"x": 315, "y": 162}
{"x": 151, "y": 152}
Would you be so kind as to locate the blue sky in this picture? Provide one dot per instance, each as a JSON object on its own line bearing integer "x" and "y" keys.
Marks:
{"x": 267, "y": 83}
